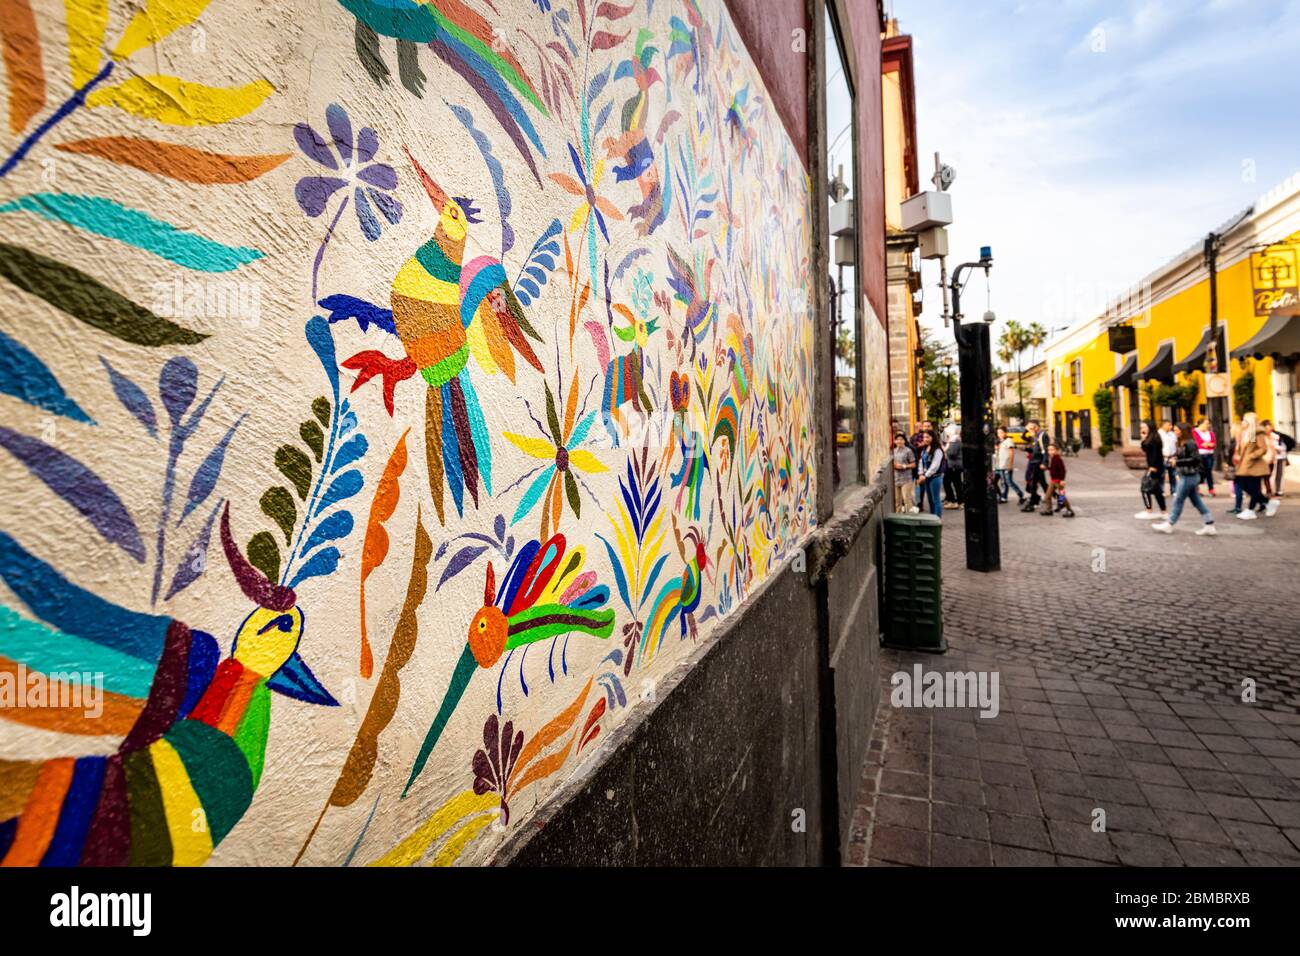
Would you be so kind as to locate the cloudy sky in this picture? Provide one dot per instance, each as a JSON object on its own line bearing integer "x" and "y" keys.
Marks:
{"x": 1095, "y": 140}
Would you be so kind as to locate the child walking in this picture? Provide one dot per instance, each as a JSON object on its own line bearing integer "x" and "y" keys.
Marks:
{"x": 1056, "y": 487}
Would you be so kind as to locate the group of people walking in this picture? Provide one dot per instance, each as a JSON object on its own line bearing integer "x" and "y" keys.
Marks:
{"x": 930, "y": 462}
{"x": 1256, "y": 457}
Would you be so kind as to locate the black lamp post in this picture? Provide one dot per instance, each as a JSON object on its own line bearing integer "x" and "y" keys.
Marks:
{"x": 947, "y": 367}
{"x": 975, "y": 361}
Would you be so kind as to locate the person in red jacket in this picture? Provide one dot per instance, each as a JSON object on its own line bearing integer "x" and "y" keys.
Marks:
{"x": 1056, "y": 487}
{"x": 1203, "y": 435}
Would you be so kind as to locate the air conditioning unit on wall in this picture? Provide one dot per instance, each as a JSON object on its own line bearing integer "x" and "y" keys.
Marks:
{"x": 926, "y": 210}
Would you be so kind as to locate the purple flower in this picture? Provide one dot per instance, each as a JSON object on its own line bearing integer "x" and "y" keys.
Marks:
{"x": 351, "y": 163}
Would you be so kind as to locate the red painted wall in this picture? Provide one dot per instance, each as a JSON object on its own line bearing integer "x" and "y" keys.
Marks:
{"x": 768, "y": 29}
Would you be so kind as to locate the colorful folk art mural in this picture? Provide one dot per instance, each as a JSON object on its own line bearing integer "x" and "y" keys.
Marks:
{"x": 374, "y": 445}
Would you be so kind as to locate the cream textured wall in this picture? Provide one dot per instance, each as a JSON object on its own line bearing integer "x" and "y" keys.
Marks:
{"x": 316, "y": 317}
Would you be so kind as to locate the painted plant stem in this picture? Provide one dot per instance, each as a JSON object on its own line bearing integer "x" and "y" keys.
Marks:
{"x": 310, "y": 510}
{"x": 174, "y": 448}
{"x": 66, "y": 109}
{"x": 320, "y": 253}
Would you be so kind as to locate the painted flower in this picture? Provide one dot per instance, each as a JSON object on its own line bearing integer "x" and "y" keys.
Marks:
{"x": 351, "y": 163}
{"x": 559, "y": 448}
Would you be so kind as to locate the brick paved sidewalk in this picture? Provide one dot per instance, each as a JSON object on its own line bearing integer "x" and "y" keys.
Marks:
{"x": 1108, "y": 699}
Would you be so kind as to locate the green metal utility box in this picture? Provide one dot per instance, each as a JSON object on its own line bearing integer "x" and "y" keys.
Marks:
{"x": 913, "y": 583}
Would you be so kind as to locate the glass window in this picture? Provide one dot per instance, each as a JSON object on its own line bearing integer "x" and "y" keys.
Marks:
{"x": 841, "y": 145}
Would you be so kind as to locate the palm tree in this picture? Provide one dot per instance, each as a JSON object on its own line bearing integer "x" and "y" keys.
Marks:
{"x": 1013, "y": 341}
{"x": 1036, "y": 336}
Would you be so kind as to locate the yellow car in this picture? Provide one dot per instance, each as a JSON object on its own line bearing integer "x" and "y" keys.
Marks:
{"x": 844, "y": 438}
{"x": 1017, "y": 435}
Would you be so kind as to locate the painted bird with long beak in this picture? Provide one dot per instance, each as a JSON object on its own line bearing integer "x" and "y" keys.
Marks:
{"x": 444, "y": 310}
{"x": 544, "y": 595}
{"x": 194, "y": 726}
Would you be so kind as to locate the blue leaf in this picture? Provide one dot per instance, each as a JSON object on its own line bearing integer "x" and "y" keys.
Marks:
{"x": 458, "y": 563}
{"x": 321, "y": 563}
{"x": 322, "y": 342}
{"x": 494, "y": 169}
{"x": 618, "y": 573}
{"x": 206, "y": 475}
{"x": 28, "y": 379}
{"x": 652, "y": 577}
{"x": 353, "y": 450}
{"x": 597, "y": 84}
{"x": 344, "y": 487}
{"x": 194, "y": 563}
{"x": 133, "y": 398}
{"x": 337, "y": 525}
{"x": 78, "y": 486}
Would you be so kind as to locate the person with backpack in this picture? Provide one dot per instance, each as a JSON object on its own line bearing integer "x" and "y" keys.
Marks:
{"x": 953, "y": 486}
{"x": 1190, "y": 468}
{"x": 1035, "y": 470}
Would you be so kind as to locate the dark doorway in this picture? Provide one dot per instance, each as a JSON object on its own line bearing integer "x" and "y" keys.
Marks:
{"x": 1085, "y": 427}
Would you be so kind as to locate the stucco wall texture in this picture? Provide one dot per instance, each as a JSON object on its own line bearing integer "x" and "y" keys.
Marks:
{"x": 389, "y": 394}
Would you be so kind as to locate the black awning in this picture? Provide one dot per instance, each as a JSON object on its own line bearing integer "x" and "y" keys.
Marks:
{"x": 1279, "y": 338}
{"x": 1124, "y": 377}
{"x": 1160, "y": 368}
{"x": 1194, "y": 361}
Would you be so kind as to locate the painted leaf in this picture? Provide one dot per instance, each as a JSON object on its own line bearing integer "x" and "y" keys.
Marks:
{"x": 604, "y": 40}
{"x": 277, "y": 504}
{"x": 20, "y": 44}
{"x": 177, "y": 102}
{"x": 178, "y": 383}
{"x": 338, "y": 525}
{"x": 322, "y": 563}
{"x": 342, "y": 488}
{"x": 320, "y": 407}
{"x": 206, "y": 475}
{"x": 353, "y": 450}
{"x": 112, "y": 220}
{"x": 87, "y": 22}
{"x": 28, "y": 379}
{"x": 194, "y": 561}
{"x": 321, "y": 339}
{"x": 295, "y": 466}
{"x": 375, "y": 546}
{"x": 78, "y": 486}
{"x": 155, "y": 20}
{"x": 88, "y": 300}
{"x": 557, "y": 727}
{"x": 459, "y": 562}
{"x": 133, "y": 398}
{"x": 498, "y": 175}
{"x": 264, "y": 554}
{"x": 174, "y": 161}
{"x": 313, "y": 438}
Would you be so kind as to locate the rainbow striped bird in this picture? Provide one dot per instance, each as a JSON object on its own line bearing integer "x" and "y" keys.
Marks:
{"x": 463, "y": 40}
{"x": 542, "y": 596}
{"x": 195, "y": 726}
{"x": 680, "y": 597}
{"x": 443, "y": 311}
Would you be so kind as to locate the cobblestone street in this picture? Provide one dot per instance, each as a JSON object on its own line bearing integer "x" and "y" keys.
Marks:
{"x": 1121, "y": 655}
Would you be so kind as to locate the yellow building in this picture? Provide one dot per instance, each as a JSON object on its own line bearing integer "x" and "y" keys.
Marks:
{"x": 1168, "y": 312}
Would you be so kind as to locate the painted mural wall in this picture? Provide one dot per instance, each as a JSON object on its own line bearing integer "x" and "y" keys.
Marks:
{"x": 389, "y": 394}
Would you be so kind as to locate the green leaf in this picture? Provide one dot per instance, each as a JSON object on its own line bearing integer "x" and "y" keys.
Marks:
{"x": 264, "y": 554}
{"x": 321, "y": 409}
{"x": 571, "y": 490}
{"x": 295, "y": 466}
{"x": 88, "y": 300}
{"x": 277, "y": 504}
{"x": 312, "y": 437}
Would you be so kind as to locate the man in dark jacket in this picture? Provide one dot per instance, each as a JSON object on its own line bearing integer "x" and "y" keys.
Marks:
{"x": 1035, "y": 478}
{"x": 953, "y": 488}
